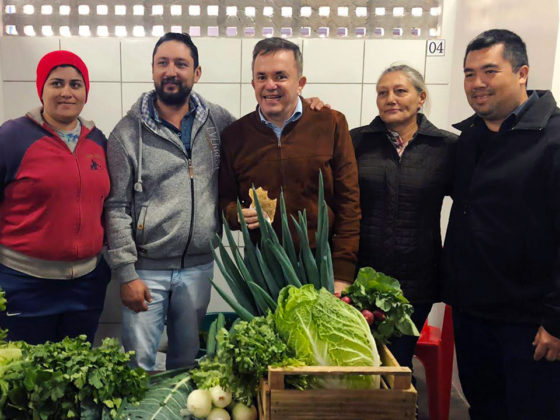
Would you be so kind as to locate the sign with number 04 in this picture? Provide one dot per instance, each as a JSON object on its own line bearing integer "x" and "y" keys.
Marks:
{"x": 435, "y": 47}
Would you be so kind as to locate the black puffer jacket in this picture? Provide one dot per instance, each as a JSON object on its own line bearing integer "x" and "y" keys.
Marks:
{"x": 502, "y": 258}
{"x": 401, "y": 202}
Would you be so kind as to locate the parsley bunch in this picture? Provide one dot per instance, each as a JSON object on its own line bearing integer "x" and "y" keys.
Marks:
{"x": 56, "y": 380}
{"x": 243, "y": 357}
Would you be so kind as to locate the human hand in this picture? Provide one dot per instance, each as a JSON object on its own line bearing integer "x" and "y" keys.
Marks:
{"x": 251, "y": 218}
{"x": 546, "y": 345}
{"x": 315, "y": 103}
{"x": 340, "y": 285}
{"x": 135, "y": 294}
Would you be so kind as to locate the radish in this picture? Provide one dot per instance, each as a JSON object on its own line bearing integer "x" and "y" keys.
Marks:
{"x": 347, "y": 300}
{"x": 368, "y": 315}
{"x": 379, "y": 314}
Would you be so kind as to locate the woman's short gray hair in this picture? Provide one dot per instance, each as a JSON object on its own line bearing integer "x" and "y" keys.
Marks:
{"x": 413, "y": 75}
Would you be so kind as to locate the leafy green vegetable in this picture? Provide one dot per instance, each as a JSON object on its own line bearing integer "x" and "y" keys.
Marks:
{"x": 165, "y": 399}
{"x": 243, "y": 357}
{"x": 53, "y": 380}
{"x": 322, "y": 330}
{"x": 373, "y": 290}
{"x": 257, "y": 278}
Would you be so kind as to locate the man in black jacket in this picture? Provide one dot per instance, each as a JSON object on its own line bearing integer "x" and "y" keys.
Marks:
{"x": 502, "y": 248}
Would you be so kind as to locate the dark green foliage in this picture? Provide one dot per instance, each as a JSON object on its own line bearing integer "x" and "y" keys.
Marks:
{"x": 257, "y": 278}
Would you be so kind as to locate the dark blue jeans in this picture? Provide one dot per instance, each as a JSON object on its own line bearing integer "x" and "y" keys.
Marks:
{"x": 40, "y": 329}
{"x": 40, "y": 310}
{"x": 499, "y": 377}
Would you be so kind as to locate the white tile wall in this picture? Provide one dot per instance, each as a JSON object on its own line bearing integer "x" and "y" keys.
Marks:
{"x": 112, "y": 309}
{"x": 220, "y": 60}
{"x": 369, "y": 104}
{"x": 227, "y": 95}
{"x": 131, "y": 92}
{"x": 18, "y": 98}
{"x": 342, "y": 97}
{"x": 333, "y": 60}
{"x": 217, "y": 303}
{"x": 248, "y": 100}
{"x": 20, "y": 56}
{"x": 104, "y": 105}
{"x": 438, "y": 112}
{"x": 102, "y": 56}
{"x": 136, "y": 59}
{"x": 438, "y": 69}
{"x": 381, "y": 53}
{"x": 247, "y": 46}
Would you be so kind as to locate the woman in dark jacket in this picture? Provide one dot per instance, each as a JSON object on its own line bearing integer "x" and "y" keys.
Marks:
{"x": 404, "y": 165}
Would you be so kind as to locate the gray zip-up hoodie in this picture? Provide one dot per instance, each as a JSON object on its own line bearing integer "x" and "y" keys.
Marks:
{"x": 162, "y": 210}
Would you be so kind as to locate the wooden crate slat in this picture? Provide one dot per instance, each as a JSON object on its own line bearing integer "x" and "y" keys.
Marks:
{"x": 342, "y": 404}
{"x": 395, "y": 400}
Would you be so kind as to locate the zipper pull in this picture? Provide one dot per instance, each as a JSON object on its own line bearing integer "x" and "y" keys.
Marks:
{"x": 191, "y": 171}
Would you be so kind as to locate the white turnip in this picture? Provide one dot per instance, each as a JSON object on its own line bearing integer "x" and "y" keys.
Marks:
{"x": 199, "y": 403}
{"x": 220, "y": 398}
{"x": 242, "y": 412}
{"x": 218, "y": 414}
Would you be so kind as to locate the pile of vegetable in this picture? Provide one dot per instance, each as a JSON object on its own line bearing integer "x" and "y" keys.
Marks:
{"x": 380, "y": 299}
{"x": 66, "y": 380}
{"x": 242, "y": 357}
{"x": 289, "y": 316}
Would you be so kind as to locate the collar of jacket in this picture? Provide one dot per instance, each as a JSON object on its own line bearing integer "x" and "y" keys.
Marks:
{"x": 535, "y": 118}
{"x": 425, "y": 127}
{"x": 36, "y": 116}
{"x": 200, "y": 115}
{"x": 257, "y": 122}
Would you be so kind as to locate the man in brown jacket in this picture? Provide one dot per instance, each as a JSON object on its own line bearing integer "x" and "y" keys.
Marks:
{"x": 283, "y": 145}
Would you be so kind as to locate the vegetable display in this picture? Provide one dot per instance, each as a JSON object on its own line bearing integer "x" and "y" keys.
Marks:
{"x": 380, "y": 299}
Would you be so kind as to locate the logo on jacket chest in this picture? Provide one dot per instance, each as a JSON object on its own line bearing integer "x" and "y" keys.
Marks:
{"x": 96, "y": 162}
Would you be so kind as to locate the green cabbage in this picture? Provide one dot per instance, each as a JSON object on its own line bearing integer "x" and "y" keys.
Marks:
{"x": 322, "y": 330}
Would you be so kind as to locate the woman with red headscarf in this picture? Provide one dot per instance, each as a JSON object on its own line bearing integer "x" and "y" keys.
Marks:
{"x": 53, "y": 182}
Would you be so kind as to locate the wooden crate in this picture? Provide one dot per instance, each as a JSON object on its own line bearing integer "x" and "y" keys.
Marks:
{"x": 395, "y": 400}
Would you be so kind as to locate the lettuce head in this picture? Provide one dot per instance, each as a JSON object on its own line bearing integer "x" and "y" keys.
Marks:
{"x": 323, "y": 330}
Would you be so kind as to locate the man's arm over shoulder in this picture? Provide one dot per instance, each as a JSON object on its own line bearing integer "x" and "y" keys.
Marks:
{"x": 346, "y": 203}
{"x": 121, "y": 253}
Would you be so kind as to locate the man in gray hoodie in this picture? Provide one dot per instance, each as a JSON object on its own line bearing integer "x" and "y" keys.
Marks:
{"x": 163, "y": 159}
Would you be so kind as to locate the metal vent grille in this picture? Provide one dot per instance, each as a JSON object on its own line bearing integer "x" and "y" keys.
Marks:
{"x": 402, "y": 19}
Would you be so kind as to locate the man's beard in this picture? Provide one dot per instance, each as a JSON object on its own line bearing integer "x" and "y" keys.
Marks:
{"x": 177, "y": 98}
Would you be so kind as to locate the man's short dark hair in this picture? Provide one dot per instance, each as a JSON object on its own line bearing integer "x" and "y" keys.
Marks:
{"x": 515, "y": 50}
{"x": 270, "y": 45}
{"x": 184, "y": 38}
